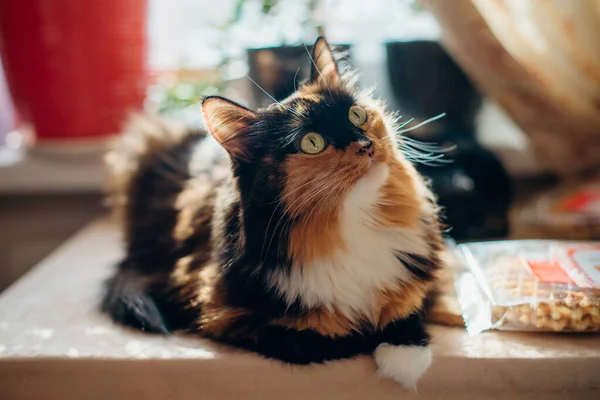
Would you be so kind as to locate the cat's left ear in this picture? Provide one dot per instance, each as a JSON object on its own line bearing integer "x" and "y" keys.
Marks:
{"x": 324, "y": 67}
{"x": 230, "y": 124}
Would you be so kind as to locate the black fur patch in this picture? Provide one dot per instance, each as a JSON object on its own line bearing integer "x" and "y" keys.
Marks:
{"x": 305, "y": 347}
{"x": 421, "y": 267}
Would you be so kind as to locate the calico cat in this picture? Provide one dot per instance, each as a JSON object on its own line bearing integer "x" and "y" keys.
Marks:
{"x": 299, "y": 232}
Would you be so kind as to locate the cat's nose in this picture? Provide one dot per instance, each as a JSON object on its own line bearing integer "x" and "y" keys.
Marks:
{"x": 366, "y": 147}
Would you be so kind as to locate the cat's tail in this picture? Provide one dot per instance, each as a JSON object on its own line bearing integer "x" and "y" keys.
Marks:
{"x": 148, "y": 166}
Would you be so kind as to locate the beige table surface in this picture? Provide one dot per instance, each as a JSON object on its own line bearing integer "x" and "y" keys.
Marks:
{"x": 55, "y": 345}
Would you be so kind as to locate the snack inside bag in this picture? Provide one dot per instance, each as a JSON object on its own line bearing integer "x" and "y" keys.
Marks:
{"x": 530, "y": 285}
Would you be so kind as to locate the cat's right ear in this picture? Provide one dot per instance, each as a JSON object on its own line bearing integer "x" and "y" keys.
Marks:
{"x": 230, "y": 124}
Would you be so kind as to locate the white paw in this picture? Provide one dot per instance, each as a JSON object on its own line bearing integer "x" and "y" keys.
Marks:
{"x": 404, "y": 364}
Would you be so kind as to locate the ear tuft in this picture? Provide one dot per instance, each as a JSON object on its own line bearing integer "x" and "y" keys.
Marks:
{"x": 324, "y": 67}
{"x": 229, "y": 123}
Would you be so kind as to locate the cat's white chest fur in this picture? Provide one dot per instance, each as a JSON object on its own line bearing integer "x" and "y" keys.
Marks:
{"x": 350, "y": 280}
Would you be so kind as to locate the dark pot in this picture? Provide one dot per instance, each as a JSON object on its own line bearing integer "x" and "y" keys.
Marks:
{"x": 474, "y": 191}
{"x": 427, "y": 82}
{"x": 279, "y": 70}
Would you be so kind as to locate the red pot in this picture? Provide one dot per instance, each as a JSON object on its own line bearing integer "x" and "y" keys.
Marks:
{"x": 75, "y": 68}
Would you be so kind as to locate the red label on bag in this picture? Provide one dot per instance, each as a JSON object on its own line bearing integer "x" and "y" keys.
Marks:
{"x": 548, "y": 271}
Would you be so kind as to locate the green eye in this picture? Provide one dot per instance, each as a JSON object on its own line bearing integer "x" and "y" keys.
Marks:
{"x": 357, "y": 115}
{"x": 312, "y": 143}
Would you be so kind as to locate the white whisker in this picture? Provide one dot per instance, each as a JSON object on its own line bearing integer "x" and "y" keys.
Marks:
{"x": 427, "y": 121}
{"x": 410, "y": 143}
{"x": 406, "y": 123}
{"x": 295, "y": 76}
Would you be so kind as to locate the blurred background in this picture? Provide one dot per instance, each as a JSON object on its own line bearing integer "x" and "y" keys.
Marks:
{"x": 519, "y": 81}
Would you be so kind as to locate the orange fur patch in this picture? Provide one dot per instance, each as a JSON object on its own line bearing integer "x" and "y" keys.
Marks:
{"x": 314, "y": 192}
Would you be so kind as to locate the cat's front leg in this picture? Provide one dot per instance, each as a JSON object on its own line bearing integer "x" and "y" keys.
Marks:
{"x": 404, "y": 353}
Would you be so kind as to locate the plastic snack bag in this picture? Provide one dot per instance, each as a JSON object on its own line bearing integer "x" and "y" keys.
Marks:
{"x": 530, "y": 285}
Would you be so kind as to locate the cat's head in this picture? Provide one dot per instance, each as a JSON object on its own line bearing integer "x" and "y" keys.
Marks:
{"x": 297, "y": 163}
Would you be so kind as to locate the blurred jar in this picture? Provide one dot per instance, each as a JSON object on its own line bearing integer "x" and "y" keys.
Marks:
{"x": 75, "y": 68}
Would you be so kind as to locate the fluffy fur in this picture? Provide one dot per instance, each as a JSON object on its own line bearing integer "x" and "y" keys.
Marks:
{"x": 243, "y": 238}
